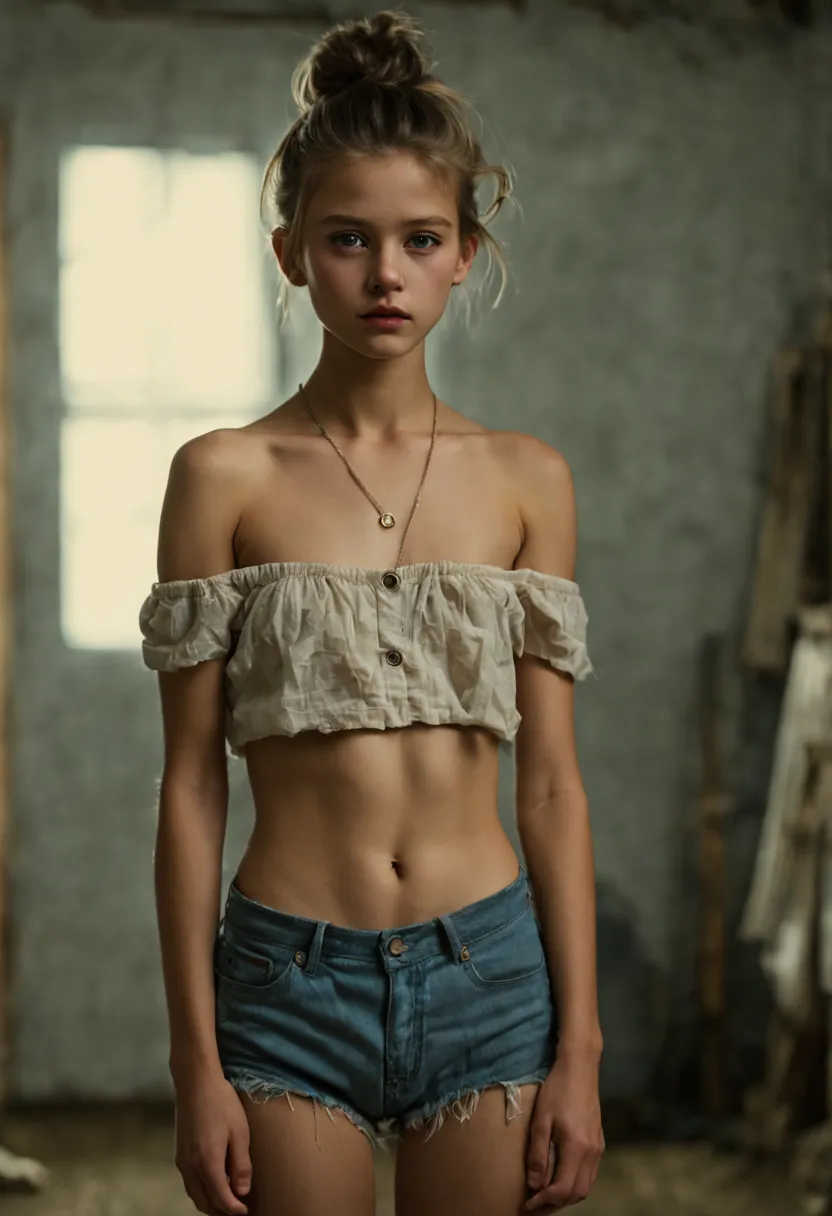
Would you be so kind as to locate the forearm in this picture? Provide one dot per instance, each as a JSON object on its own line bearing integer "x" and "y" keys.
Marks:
{"x": 557, "y": 844}
{"x": 188, "y": 877}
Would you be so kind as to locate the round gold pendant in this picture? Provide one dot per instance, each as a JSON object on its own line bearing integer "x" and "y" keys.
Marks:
{"x": 386, "y": 520}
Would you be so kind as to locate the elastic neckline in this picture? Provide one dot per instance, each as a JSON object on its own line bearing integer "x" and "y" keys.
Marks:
{"x": 273, "y": 571}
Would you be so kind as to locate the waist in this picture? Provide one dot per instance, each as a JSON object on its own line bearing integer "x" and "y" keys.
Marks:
{"x": 367, "y": 888}
{"x": 424, "y": 936}
{"x": 367, "y": 827}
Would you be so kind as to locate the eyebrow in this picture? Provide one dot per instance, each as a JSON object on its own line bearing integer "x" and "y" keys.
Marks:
{"x": 434, "y": 221}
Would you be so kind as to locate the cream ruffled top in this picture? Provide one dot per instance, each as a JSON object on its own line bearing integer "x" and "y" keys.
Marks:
{"x": 312, "y": 646}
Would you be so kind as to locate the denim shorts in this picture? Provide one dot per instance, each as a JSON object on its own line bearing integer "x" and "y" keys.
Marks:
{"x": 393, "y": 1027}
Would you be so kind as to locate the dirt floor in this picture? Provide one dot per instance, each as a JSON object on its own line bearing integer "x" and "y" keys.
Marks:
{"x": 119, "y": 1163}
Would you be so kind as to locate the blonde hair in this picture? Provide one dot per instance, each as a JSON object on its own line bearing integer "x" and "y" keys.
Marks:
{"x": 365, "y": 89}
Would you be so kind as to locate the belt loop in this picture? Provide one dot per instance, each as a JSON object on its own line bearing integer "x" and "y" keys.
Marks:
{"x": 453, "y": 937}
{"x": 311, "y": 964}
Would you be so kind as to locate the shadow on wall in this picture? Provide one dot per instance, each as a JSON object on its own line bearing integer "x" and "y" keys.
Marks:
{"x": 650, "y": 1072}
{"x": 631, "y": 1002}
{"x": 652, "y": 1018}
{"x": 730, "y": 16}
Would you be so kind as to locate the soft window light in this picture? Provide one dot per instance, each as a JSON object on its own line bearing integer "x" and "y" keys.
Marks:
{"x": 166, "y": 332}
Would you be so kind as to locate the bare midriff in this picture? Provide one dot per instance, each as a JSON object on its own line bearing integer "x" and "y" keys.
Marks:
{"x": 372, "y": 829}
{"x": 375, "y": 829}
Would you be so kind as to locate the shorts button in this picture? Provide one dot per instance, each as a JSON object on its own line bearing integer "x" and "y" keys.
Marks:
{"x": 394, "y": 657}
{"x": 300, "y": 957}
{"x": 463, "y": 954}
{"x": 390, "y": 580}
{"x": 396, "y": 945}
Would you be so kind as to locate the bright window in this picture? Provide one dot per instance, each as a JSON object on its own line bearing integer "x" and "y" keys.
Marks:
{"x": 166, "y": 331}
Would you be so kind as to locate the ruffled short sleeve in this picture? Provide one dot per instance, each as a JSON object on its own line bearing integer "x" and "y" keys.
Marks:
{"x": 555, "y": 621}
{"x": 188, "y": 621}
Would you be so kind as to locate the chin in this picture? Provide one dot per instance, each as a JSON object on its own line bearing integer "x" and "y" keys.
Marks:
{"x": 384, "y": 350}
{"x": 377, "y": 343}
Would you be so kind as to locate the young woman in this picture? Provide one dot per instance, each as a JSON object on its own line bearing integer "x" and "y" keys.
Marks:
{"x": 362, "y": 594}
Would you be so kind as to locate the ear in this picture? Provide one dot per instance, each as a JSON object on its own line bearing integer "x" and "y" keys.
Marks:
{"x": 466, "y": 259}
{"x": 290, "y": 270}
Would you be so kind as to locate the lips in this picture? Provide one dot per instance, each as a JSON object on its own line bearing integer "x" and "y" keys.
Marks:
{"x": 387, "y": 312}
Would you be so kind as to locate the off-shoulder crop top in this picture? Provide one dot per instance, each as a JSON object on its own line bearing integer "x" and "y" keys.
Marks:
{"x": 312, "y": 646}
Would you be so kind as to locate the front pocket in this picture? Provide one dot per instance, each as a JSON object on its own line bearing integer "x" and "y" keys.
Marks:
{"x": 250, "y": 966}
{"x": 512, "y": 953}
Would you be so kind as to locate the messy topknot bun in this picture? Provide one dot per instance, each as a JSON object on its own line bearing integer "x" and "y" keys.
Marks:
{"x": 365, "y": 89}
{"x": 380, "y": 50}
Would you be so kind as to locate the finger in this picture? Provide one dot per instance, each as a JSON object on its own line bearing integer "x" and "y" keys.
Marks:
{"x": 539, "y": 1159}
{"x": 196, "y": 1193}
{"x": 569, "y": 1160}
{"x": 551, "y": 1164}
{"x": 220, "y": 1193}
{"x": 583, "y": 1183}
{"x": 239, "y": 1162}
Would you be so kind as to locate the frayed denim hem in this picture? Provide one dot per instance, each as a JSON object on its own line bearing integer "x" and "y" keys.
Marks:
{"x": 463, "y": 1103}
{"x": 258, "y": 1090}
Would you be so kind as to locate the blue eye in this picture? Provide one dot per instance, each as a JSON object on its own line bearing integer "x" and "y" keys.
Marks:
{"x": 426, "y": 236}
{"x": 338, "y": 235}
{"x": 339, "y": 239}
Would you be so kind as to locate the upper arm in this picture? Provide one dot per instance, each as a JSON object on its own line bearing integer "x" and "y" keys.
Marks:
{"x": 199, "y": 516}
{"x": 545, "y": 752}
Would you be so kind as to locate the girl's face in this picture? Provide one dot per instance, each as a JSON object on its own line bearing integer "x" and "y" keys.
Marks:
{"x": 380, "y": 231}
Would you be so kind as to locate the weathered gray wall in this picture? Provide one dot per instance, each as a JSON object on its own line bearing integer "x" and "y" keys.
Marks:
{"x": 672, "y": 201}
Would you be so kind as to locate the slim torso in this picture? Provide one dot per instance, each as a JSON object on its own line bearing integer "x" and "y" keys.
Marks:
{"x": 371, "y": 828}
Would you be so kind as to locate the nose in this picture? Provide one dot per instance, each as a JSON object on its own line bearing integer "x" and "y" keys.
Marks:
{"x": 386, "y": 272}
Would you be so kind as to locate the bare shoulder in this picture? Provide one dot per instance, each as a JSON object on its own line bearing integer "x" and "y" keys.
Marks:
{"x": 545, "y": 495}
{"x": 538, "y": 479}
{"x": 220, "y": 451}
{"x": 218, "y": 461}
{"x": 202, "y": 506}
{"x": 540, "y": 473}
{"x": 520, "y": 455}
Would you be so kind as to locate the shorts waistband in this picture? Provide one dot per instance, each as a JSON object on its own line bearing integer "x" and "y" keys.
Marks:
{"x": 419, "y": 940}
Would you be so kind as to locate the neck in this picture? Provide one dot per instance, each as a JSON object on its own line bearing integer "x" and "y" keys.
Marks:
{"x": 371, "y": 400}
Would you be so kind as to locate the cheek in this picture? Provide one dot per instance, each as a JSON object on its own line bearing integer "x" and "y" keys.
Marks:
{"x": 334, "y": 275}
{"x": 319, "y": 270}
{"x": 437, "y": 272}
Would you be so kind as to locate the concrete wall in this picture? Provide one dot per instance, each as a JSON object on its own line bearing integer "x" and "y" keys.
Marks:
{"x": 673, "y": 200}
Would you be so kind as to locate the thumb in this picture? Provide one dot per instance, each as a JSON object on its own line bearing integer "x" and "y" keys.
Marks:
{"x": 239, "y": 1162}
{"x": 538, "y": 1161}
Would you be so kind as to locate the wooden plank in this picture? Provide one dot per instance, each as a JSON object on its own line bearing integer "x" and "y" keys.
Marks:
{"x": 16, "y": 1173}
{"x": 795, "y": 432}
{"x": 713, "y": 806}
{"x": 806, "y": 717}
{"x": 790, "y": 962}
{"x": 816, "y": 576}
{"x": 823, "y": 338}
{"x": 5, "y": 617}
{"x": 790, "y": 958}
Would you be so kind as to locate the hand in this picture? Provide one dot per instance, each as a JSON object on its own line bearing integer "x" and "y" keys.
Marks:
{"x": 212, "y": 1143}
{"x": 567, "y": 1113}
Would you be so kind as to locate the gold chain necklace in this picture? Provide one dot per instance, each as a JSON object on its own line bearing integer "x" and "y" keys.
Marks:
{"x": 384, "y": 517}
